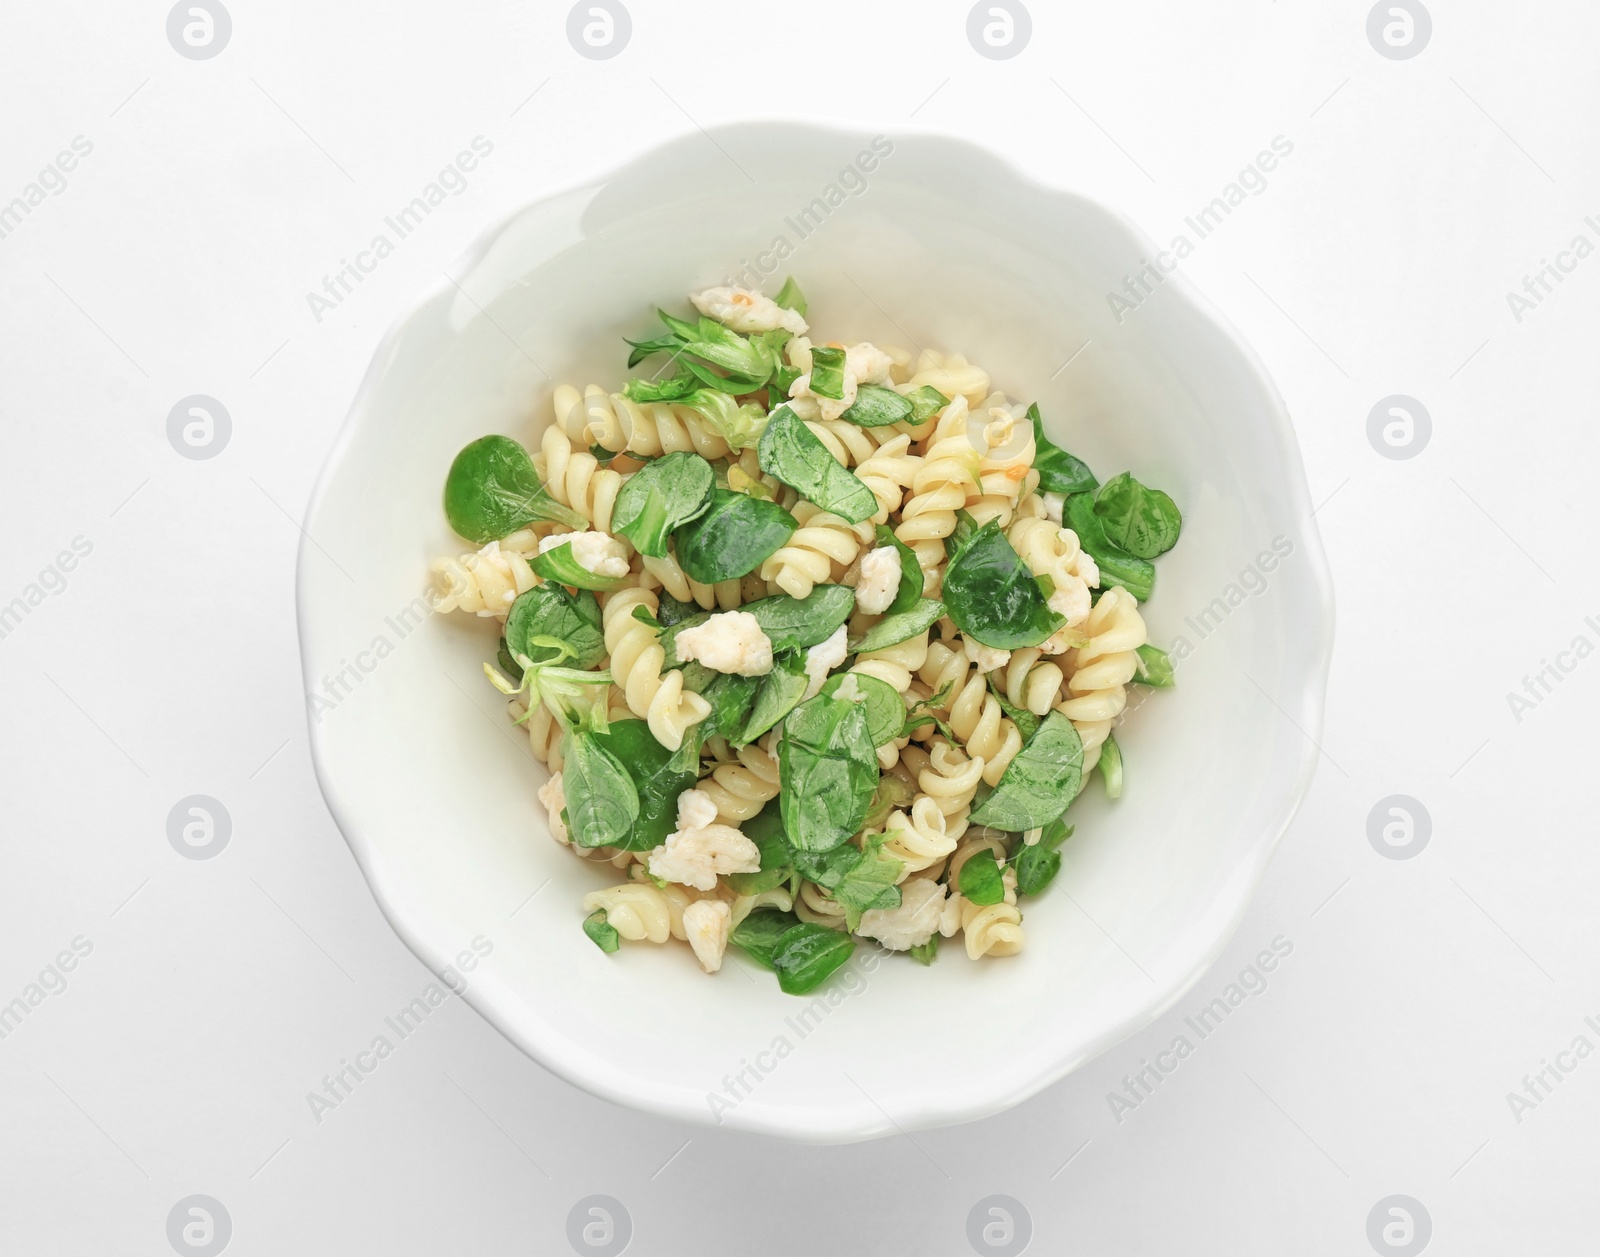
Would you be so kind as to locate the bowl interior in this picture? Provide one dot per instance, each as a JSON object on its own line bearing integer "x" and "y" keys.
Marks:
{"x": 936, "y": 245}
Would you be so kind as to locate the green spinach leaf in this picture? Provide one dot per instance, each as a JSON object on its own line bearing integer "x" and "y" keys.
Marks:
{"x": 730, "y": 696}
{"x": 740, "y": 426}
{"x": 926, "y": 402}
{"x": 1117, "y": 566}
{"x": 877, "y": 407}
{"x": 1037, "y": 864}
{"x": 886, "y": 711}
{"x": 1059, "y": 471}
{"x": 758, "y": 933}
{"x": 829, "y": 769}
{"x": 806, "y": 956}
{"x": 493, "y": 489}
{"x": 993, "y": 597}
{"x": 765, "y": 829}
{"x": 790, "y": 452}
{"x": 660, "y": 496}
{"x": 980, "y": 879}
{"x": 870, "y": 883}
{"x": 965, "y": 530}
{"x": 602, "y": 802}
{"x": 670, "y": 388}
{"x": 791, "y": 298}
{"x": 896, "y": 627}
{"x": 549, "y": 611}
{"x": 789, "y": 623}
{"x": 779, "y": 692}
{"x": 1143, "y": 521}
{"x": 658, "y": 778}
{"x": 732, "y": 538}
{"x": 827, "y": 372}
{"x": 1027, "y": 723}
{"x": 1039, "y": 783}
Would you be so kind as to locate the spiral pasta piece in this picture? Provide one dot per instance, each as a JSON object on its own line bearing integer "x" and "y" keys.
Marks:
{"x": 1098, "y": 672}
{"x": 744, "y": 905}
{"x": 575, "y": 478}
{"x": 642, "y": 911}
{"x": 1032, "y": 682}
{"x": 1051, "y": 550}
{"x": 976, "y": 716}
{"x": 742, "y": 788}
{"x": 817, "y": 906}
{"x": 994, "y": 929}
{"x": 889, "y": 471}
{"x": 920, "y": 838}
{"x": 951, "y": 374}
{"x": 485, "y": 583}
{"x": 636, "y": 667}
{"x": 665, "y": 573}
{"x": 808, "y": 558}
{"x": 950, "y": 780}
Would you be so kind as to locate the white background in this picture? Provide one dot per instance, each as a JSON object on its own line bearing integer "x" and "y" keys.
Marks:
{"x": 218, "y": 993}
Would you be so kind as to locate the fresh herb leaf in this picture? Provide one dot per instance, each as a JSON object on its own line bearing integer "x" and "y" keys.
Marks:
{"x": 1117, "y": 566}
{"x": 658, "y": 776}
{"x": 897, "y": 627}
{"x": 493, "y": 489}
{"x": 1039, "y": 782}
{"x": 670, "y": 389}
{"x": 877, "y": 407}
{"x": 778, "y": 385}
{"x": 886, "y": 712}
{"x": 765, "y": 829}
{"x": 911, "y": 574}
{"x": 645, "y": 618}
{"x": 827, "y": 372}
{"x": 1027, "y": 723}
{"x": 732, "y": 538}
{"x": 926, "y": 953}
{"x": 980, "y": 879}
{"x": 1111, "y": 766}
{"x": 829, "y": 769}
{"x": 925, "y": 712}
{"x": 791, "y": 298}
{"x": 558, "y": 564}
{"x": 792, "y": 453}
{"x": 807, "y": 956}
{"x": 661, "y": 496}
{"x": 870, "y": 883}
{"x": 1143, "y": 521}
{"x": 1059, "y": 471}
{"x": 780, "y": 690}
{"x": 602, "y": 802}
{"x": 993, "y": 597}
{"x": 926, "y": 402}
{"x": 549, "y": 611}
{"x": 740, "y": 426}
{"x": 758, "y": 933}
{"x": 1154, "y": 668}
{"x": 642, "y": 349}
{"x": 604, "y": 936}
{"x": 1038, "y": 863}
{"x": 670, "y": 611}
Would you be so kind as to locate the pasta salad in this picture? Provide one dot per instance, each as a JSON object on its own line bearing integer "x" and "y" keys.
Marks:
{"x": 819, "y": 642}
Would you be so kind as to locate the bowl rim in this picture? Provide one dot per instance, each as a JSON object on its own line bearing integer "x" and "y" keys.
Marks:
{"x": 866, "y": 1121}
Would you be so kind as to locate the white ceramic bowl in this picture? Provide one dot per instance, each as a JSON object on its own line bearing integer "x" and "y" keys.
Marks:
{"x": 942, "y": 245}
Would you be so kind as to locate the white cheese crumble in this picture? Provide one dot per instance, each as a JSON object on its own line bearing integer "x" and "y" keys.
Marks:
{"x": 746, "y": 311}
{"x": 1054, "y": 505}
{"x": 700, "y": 850}
{"x": 730, "y": 641}
{"x": 1088, "y": 570}
{"x": 554, "y": 797}
{"x": 879, "y": 580}
{"x": 868, "y": 363}
{"x": 706, "y": 923}
{"x": 822, "y": 659}
{"x": 913, "y": 923}
{"x": 864, "y": 363}
{"x": 595, "y": 552}
{"x": 986, "y": 657}
{"x": 849, "y": 691}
